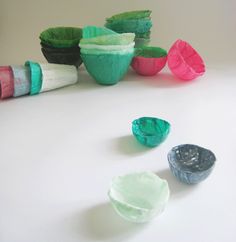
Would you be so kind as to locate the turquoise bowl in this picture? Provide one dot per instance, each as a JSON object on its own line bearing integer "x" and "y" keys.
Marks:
{"x": 107, "y": 68}
{"x": 137, "y": 26}
{"x": 150, "y": 131}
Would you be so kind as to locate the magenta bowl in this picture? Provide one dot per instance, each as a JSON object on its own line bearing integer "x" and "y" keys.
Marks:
{"x": 148, "y": 61}
{"x": 184, "y": 61}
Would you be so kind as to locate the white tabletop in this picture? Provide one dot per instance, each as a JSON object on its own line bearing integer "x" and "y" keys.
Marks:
{"x": 60, "y": 149}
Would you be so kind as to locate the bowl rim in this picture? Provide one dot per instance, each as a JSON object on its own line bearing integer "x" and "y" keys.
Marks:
{"x": 148, "y": 52}
{"x": 61, "y": 42}
{"x": 173, "y": 164}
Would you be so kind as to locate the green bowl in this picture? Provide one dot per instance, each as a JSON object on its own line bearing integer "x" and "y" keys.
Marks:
{"x": 138, "y": 14}
{"x": 61, "y": 37}
{"x": 137, "y": 26}
{"x": 150, "y": 131}
{"x": 107, "y": 68}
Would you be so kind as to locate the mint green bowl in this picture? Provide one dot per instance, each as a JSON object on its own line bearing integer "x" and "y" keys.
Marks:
{"x": 139, "y": 197}
{"x": 107, "y": 68}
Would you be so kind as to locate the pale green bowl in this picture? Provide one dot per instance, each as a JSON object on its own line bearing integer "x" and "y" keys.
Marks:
{"x": 107, "y": 68}
{"x": 139, "y": 197}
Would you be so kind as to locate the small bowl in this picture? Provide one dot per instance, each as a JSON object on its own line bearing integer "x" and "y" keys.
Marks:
{"x": 67, "y": 56}
{"x": 108, "y": 68}
{"x": 139, "y": 197}
{"x": 61, "y": 37}
{"x": 191, "y": 164}
{"x": 148, "y": 61}
{"x": 184, "y": 61}
{"x": 150, "y": 131}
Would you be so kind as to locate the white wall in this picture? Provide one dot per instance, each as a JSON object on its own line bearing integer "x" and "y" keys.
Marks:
{"x": 209, "y": 25}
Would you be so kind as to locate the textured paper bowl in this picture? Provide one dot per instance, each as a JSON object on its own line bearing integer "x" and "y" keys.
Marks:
{"x": 56, "y": 76}
{"x": 184, "y": 61}
{"x": 191, "y": 164}
{"x": 138, "y": 26}
{"x": 67, "y": 56}
{"x": 107, "y": 68}
{"x": 149, "y": 60}
{"x": 139, "y": 197}
{"x": 6, "y": 82}
{"x": 150, "y": 131}
{"x": 138, "y": 14}
{"x": 61, "y": 37}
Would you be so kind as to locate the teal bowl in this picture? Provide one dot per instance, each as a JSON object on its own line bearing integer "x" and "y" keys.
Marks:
{"x": 137, "y": 26}
{"x": 107, "y": 68}
{"x": 150, "y": 131}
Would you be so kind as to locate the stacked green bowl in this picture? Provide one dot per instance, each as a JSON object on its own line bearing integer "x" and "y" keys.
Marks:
{"x": 106, "y": 54}
{"x": 137, "y": 22}
{"x": 60, "y": 45}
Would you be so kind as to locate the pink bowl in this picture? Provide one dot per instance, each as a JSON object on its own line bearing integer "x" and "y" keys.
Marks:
{"x": 149, "y": 60}
{"x": 184, "y": 61}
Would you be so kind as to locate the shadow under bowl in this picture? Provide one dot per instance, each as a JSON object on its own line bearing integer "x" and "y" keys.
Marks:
{"x": 139, "y": 197}
{"x": 68, "y": 56}
{"x": 148, "y": 60}
{"x": 184, "y": 61}
{"x": 150, "y": 131}
{"x": 107, "y": 68}
{"x": 191, "y": 164}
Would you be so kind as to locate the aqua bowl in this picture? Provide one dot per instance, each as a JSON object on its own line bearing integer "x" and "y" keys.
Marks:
{"x": 139, "y": 197}
{"x": 150, "y": 131}
{"x": 107, "y": 68}
{"x": 191, "y": 164}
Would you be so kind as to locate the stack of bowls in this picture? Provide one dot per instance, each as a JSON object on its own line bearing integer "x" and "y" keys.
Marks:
{"x": 106, "y": 54}
{"x": 60, "y": 45}
{"x": 138, "y": 22}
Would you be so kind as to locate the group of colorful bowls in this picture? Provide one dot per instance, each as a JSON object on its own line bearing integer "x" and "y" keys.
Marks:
{"x": 106, "y": 54}
{"x": 33, "y": 78}
{"x": 60, "y": 45}
{"x": 137, "y": 22}
{"x": 139, "y": 197}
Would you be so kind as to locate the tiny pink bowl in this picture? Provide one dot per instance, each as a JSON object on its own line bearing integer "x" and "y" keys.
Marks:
{"x": 184, "y": 61}
{"x": 149, "y": 60}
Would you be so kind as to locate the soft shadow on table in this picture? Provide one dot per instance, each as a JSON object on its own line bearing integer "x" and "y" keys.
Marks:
{"x": 129, "y": 146}
{"x": 85, "y": 82}
{"x": 161, "y": 80}
{"x": 177, "y": 188}
{"x": 102, "y": 223}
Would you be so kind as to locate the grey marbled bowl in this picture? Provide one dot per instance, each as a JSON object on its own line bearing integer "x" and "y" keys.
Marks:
{"x": 191, "y": 164}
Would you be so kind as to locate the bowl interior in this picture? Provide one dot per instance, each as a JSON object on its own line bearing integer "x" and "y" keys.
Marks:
{"x": 141, "y": 190}
{"x": 191, "y": 158}
{"x": 149, "y": 127}
{"x": 61, "y": 36}
{"x": 190, "y": 56}
{"x": 150, "y": 52}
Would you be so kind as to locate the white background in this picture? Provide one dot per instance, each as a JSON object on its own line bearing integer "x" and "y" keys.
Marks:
{"x": 59, "y": 150}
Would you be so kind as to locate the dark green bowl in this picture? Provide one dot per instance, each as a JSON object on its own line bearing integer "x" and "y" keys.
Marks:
{"x": 67, "y": 56}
